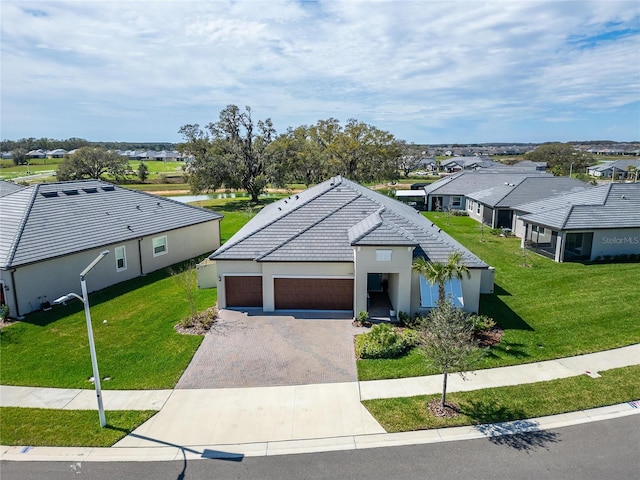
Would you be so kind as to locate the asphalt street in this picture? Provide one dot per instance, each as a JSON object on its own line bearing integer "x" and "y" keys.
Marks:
{"x": 607, "y": 449}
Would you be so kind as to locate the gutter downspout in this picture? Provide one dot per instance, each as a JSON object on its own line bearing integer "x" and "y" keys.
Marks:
{"x": 140, "y": 255}
{"x": 15, "y": 294}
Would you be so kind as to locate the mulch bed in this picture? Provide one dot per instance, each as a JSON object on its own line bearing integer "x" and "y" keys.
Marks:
{"x": 450, "y": 409}
{"x": 200, "y": 324}
{"x": 489, "y": 338}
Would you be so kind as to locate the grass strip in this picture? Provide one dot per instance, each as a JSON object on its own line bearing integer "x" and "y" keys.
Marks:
{"x": 518, "y": 402}
{"x": 66, "y": 428}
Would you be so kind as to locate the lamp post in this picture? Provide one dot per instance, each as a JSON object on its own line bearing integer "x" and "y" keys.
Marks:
{"x": 571, "y": 169}
{"x": 92, "y": 347}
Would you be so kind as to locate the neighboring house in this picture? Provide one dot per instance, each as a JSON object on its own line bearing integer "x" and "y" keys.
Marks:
{"x": 457, "y": 164}
{"x": 50, "y": 232}
{"x": 541, "y": 166}
{"x": 451, "y": 192}
{"x": 37, "y": 153}
{"x": 622, "y": 169}
{"x": 57, "y": 153}
{"x": 332, "y": 247}
{"x": 495, "y": 206}
{"x": 597, "y": 222}
{"x": 167, "y": 156}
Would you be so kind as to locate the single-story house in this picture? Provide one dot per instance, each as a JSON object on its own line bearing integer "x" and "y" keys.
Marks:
{"x": 495, "y": 206}
{"x": 451, "y": 192}
{"x": 599, "y": 222}
{"x": 457, "y": 164}
{"x": 50, "y": 232}
{"x": 334, "y": 247}
{"x": 620, "y": 167}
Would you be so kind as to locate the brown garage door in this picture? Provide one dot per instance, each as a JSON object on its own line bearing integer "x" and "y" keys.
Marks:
{"x": 243, "y": 291}
{"x": 313, "y": 293}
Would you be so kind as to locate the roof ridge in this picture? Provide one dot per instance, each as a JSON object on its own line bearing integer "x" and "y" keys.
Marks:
{"x": 23, "y": 223}
{"x": 309, "y": 227}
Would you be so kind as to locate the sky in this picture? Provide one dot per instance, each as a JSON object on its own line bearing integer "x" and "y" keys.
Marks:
{"x": 429, "y": 72}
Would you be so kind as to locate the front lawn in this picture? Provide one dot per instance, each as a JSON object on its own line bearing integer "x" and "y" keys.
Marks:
{"x": 136, "y": 344}
{"x": 66, "y": 428}
{"x": 510, "y": 403}
{"x": 547, "y": 309}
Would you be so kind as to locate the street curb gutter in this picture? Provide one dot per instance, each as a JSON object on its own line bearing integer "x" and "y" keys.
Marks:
{"x": 168, "y": 452}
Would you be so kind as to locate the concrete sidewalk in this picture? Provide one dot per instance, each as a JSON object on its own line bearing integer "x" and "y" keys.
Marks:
{"x": 322, "y": 416}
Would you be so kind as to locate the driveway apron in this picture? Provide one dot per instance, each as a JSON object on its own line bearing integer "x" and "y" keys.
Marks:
{"x": 272, "y": 350}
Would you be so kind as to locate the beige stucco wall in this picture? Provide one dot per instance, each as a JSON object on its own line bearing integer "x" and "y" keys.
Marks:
{"x": 56, "y": 277}
{"x": 615, "y": 242}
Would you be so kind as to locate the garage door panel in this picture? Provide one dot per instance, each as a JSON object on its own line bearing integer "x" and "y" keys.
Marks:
{"x": 243, "y": 291}
{"x": 313, "y": 293}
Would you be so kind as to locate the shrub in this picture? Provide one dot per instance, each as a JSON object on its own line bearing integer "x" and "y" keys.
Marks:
{"x": 482, "y": 322}
{"x": 4, "y": 312}
{"x": 409, "y": 321}
{"x": 362, "y": 318}
{"x": 385, "y": 341}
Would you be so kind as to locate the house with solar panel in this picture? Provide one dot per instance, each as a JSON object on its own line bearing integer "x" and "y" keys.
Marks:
{"x": 50, "y": 232}
{"x": 339, "y": 246}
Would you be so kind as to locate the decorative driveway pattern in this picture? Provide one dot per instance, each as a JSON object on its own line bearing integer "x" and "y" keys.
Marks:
{"x": 268, "y": 350}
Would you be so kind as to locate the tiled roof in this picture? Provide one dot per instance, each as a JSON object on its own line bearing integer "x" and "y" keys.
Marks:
{"x": 9, "y": 187}
{"x": 614, "y": 205}
{"x": 325, "y": 222}
{"x": 55, "y": 219}
{"x": 529, "y": 189}
{"x": 467, "y": 182}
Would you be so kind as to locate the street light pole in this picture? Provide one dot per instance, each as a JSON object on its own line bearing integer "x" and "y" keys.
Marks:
{"x": 92, "y": 346}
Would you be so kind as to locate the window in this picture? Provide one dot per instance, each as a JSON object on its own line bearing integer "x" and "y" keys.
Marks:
{"x": 470, "y": 205}
{"x": 383, "y": 255}
{"x": 536, "y": 228}
{"x": 159, "y": 246}
{"x": 429, "y": 293}
{"x": 121, "y": 258}
{"x": 478, "y": 208}
{"x": 456, "y": 202}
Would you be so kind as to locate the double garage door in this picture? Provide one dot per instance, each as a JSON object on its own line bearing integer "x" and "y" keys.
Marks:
{"x": 292, "y": 293}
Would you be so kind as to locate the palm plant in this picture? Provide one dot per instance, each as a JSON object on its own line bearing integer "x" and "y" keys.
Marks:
{"x": 441, "y": 272}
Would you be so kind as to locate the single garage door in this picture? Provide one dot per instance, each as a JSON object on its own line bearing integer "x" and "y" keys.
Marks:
{"x": 243, "y": 291}
{"x": 313, "y": 293}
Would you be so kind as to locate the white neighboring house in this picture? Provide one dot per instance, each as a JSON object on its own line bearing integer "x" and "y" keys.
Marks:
{"x": 50, "y": 232}
{"x": 626, "y": 168}
{"x": 334, "y": 247}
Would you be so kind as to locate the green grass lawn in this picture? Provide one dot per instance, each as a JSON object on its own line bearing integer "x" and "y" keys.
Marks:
{"x": 547, "y": 309}
{"x": 66, "y": 428}
{"x": 137, "y": 347}
{"x": 510, "y": 403}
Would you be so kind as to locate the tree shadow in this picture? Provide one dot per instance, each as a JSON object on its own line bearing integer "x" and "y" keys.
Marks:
{"x": 506, "y": 426}
{"x": 493, "y": 306}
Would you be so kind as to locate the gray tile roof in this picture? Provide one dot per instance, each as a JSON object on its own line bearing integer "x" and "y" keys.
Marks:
{"x": 467, "y": 182}
{"x": 55, "y": 219}
{"x": 614, "y": 205}
{"x": 325, "y": 222}
{"x": 529, "y": 189}
{"x": 9, "y": 187}
{"x": 620, "y": 165}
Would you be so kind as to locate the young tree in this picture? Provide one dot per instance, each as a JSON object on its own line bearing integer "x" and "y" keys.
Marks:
{"x": 441, "y": 272}
{"x": 448, "y": 343}
{"x": 232, "y": 152}
{"x": 143, "y": 172}
{"x": 90, "y": 162}
{"x": 19, "y": 156}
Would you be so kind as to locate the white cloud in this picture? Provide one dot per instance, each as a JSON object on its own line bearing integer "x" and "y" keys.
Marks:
{"x": 391, "y": 62}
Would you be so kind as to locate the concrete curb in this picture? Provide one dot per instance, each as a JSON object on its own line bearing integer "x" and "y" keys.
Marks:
{"x": 169, "y": 452}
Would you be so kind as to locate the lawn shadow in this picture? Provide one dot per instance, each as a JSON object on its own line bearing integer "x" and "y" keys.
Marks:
{"x": 505, "y": 426}
{"x": 493, "y": 306}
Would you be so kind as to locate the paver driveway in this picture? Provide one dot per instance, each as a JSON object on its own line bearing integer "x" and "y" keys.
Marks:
{"x": 267, "y": 350}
